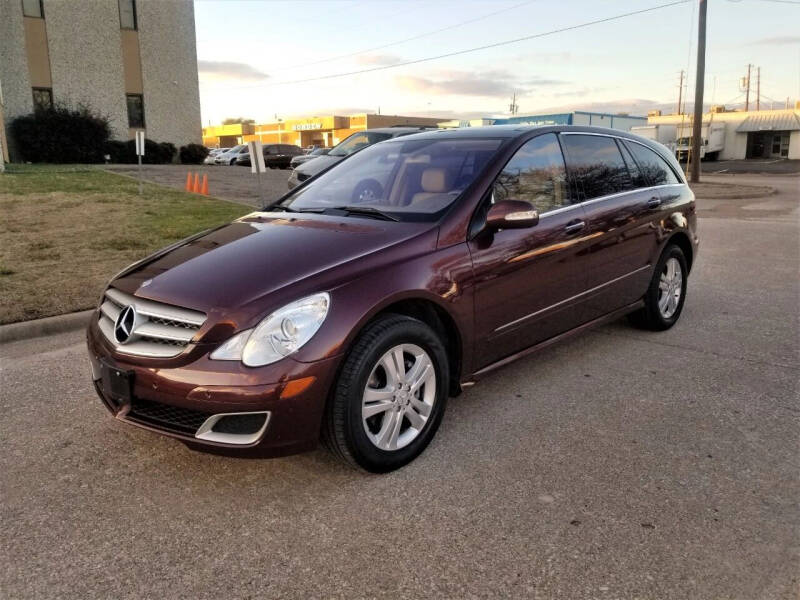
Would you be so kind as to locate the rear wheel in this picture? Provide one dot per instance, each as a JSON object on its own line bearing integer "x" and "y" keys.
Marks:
{"x": 390, "y": 396}
{"x": 663, "y": 301}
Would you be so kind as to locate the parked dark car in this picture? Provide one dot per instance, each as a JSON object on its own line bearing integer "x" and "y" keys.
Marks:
{"x": 276, "y": 156}
{"x": 352, "y": 143}
{"x": 321, "y": 316}
{"x": 304, "y": 158}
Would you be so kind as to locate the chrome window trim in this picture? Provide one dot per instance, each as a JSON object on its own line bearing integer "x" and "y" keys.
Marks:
{"x": 557, "y": 304}
{"x": 562, "y": 209}
{"x": 607, "y": 197}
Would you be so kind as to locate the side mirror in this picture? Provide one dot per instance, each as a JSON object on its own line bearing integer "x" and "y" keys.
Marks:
{"x": 511, "y": 214}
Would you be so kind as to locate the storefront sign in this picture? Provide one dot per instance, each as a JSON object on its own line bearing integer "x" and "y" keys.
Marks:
{"x": 306, "y": 126}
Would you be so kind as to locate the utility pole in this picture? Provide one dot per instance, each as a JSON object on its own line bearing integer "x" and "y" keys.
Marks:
{"x": 747, "y": 87}
{"x": 758, "y": 88}
{"x": 513, "y": 108}
{"x": 680, "y": 94}
{"x": 698, "y": 92}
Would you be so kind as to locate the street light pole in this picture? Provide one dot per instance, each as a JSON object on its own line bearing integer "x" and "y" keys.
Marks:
{"x": 698, "y": 93}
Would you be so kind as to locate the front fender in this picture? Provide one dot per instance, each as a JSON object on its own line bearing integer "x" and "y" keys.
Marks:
{"x": 443, "y": 278}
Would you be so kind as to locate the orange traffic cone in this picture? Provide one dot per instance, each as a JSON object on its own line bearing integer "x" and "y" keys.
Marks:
{"x": 204, "y": 189}
{"x": 189, "y": 181}
{"x": 196, "y": 188}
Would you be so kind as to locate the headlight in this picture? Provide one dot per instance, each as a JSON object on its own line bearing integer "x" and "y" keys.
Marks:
{"x": 283, "y": 332}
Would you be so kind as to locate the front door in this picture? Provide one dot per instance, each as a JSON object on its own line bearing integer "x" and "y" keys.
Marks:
{"x": 526, "y": 280}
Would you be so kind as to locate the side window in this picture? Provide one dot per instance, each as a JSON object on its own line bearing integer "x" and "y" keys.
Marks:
{"x": 653, "y": 167}
{"x": 535, "y": 174}
{"x": 42, "y": 98}
{"x": 32, "y": 8}
{"x": 135, "y": 110}
{"x": 127, "y": 14}
{"x": 596, "y": 165}
{"x": 639, "y": 180}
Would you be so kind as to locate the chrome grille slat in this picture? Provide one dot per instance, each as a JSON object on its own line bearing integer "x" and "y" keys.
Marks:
{"x": 110, "y": 309}
{"x": 156, "y": 309}
{"x": 161, "y": 330}
{"x": 164, "y": 332}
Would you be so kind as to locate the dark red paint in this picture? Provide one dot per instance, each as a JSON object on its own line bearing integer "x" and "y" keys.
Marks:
{"x": 478, "y": 279}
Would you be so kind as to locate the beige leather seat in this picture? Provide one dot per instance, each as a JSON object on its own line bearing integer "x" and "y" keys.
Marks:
{"x": 433, "y": 182}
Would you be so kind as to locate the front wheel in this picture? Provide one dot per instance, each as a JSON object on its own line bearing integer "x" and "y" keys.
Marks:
{"x": 390, "y": 396}
{"x": 663, "y": 301}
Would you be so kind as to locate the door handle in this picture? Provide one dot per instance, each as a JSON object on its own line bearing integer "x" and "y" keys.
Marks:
{"x": 654, "y": 202}
{"x": 574, "y": 227}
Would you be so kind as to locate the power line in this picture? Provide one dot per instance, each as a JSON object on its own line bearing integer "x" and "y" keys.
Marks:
{"x": 403, "y": 41}
{"x": 466, "y": 51}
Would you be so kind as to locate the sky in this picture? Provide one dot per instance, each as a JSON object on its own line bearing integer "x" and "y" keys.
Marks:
{"x": 255, "y": 57}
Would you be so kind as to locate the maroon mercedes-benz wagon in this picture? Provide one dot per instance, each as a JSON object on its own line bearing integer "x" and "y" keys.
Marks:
{"x": 354, "y": 306}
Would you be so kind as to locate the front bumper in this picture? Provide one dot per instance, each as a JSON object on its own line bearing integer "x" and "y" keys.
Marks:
{"x": 179, "y": 401}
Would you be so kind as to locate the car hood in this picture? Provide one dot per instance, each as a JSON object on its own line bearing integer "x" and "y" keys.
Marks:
{"x": 319, "y": 163}
{"x": 230, "y": 270}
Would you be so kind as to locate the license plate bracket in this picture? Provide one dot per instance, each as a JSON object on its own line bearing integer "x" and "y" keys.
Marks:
{"x": 117, "y": 383}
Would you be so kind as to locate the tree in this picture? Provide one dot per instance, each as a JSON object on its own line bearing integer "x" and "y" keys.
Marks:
{"x": 238, "y": 120}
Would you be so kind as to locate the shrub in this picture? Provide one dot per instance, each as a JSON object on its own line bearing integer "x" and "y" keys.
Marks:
{"x": 60, "y": 135}
{"x": 193, "y": 154}
{"x": 155, "y": 153}
{"x": 165, "y": 152}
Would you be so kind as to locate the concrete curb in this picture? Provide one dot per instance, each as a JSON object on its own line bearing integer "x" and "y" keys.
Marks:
{"x": 41, "y": 327}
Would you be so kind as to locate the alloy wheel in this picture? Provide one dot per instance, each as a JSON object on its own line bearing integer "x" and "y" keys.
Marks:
{"x": 670, "y": 288}
{"x": 399, "y": 397}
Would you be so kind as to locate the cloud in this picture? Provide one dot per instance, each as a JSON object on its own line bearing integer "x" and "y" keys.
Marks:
{"x": 490, "y": 84}
{"x": 778, "y": 40}
{"x": 377, "y": 60}
{"x": 212, "y": 70}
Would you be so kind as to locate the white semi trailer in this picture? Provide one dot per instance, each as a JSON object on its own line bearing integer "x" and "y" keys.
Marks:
{"x": 712, "y": 141}
{"x": 662, "y": 133}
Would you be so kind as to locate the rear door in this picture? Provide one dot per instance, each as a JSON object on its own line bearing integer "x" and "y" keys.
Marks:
{"x": 619, "y": 206}
{"x": 528, "y": 280}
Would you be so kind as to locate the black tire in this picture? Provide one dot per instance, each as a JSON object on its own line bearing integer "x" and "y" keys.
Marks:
{"x": 343, "y": 431}
{"x": 650, "y": 316}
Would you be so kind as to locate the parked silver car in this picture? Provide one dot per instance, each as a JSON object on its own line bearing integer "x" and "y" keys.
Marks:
{"x": 229, "y": 157}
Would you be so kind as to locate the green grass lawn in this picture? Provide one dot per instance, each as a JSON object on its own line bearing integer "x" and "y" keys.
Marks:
{"x": 66, "y": 230}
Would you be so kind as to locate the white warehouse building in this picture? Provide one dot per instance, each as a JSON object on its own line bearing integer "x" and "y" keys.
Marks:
{"x": 751, "y": 134}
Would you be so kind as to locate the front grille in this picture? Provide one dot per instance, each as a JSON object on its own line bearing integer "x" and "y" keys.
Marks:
{"x": 159, "y": 330}
{"x": 183, "y": 420}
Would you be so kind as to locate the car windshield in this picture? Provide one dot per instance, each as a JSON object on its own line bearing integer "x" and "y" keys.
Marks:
{"x": 357, "y": 141}
{"x": 412, "y": 180}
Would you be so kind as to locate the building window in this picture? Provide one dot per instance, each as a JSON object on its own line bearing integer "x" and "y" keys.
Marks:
{"x": 127, "y": 14}
{"x": 42, "y": 98}
{"x": 135, "y": 110}
{"x": 33, "y": 8}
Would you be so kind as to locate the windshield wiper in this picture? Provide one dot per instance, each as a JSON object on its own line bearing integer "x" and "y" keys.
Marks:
{"x": 366, "y": 211}
{"x": 280, "y": 207}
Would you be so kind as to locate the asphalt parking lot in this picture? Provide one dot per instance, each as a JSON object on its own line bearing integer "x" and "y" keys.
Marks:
{"x": 621, "y": 464}
{"x": 230, "y": 182}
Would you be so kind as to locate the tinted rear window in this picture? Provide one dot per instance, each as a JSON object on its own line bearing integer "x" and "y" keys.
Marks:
{"x": 654, "y": 168}
{"x": 596, "y": 165}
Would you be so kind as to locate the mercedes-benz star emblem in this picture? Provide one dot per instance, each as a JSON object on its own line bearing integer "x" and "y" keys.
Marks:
{"x": 123, "y": 328}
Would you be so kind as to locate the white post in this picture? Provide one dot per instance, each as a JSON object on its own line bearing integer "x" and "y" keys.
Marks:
{"x": 140, "y": 154}
{"x": 257, "y": 166}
